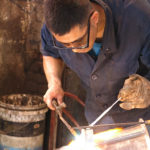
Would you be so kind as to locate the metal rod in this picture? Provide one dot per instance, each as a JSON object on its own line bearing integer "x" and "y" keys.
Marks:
{"x": 122, "y": 138}
{"x": 115, "y": 124}
{"x": 105, "y": 112}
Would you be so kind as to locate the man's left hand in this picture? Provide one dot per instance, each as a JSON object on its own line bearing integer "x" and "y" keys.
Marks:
{"x": 135, "y": 93}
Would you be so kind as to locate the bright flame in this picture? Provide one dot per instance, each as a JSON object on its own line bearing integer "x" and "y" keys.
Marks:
{"x": 81, "y": 144}
{"x": 106, "y": 135}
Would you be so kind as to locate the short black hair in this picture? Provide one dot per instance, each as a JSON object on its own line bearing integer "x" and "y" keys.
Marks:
{"x": 62, "y": 15}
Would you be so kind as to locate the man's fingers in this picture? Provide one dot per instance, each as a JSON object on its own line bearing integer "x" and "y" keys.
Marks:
{"x": 134, "y": 93}
{"x": 131, "y": 104}
{"x": 48, "y": 101}
{"x": 128, "y": 98}
{"x": 127, "y": 106}
{"x": 125, "y": 96}
{"x": 140, "y": 104}
{"x": 134, "y": 77}
{"x": 60, "y": 99}
{"x": 50, "y": 105}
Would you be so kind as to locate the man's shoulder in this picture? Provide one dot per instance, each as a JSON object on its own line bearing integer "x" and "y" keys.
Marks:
{"x": 139, "y": 5}
{"x": 132, "y": 12}
{"x": 46, "y": 35}
{"x": 45, "y": 30}
{"x": 138, "y": 13}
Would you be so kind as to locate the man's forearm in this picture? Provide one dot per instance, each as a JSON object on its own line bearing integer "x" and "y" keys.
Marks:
{"x": 53, "y": 69}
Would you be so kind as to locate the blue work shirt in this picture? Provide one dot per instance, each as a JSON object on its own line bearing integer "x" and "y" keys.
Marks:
{"x": 125, "y": 51}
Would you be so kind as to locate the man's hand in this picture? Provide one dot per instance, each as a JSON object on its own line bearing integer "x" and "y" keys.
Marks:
{"x": 53, "y": 69}
{"x": 54, "y": 91}
{"x": 135, "y": 93}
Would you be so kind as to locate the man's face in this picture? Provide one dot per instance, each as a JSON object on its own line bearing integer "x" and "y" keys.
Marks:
{"x": 81, "y": 38}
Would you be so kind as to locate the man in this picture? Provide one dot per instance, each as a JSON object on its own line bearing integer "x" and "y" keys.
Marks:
{"x": 107, "y": 43}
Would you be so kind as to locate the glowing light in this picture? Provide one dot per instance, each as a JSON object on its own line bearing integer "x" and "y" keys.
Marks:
{"x": 82, "y": 143}
{"x": 106, "y": 135}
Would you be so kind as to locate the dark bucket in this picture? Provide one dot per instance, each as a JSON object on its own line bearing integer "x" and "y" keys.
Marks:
{"x": 22, "y": 122}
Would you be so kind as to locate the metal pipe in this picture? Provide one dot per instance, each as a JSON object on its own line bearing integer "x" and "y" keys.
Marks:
{"x": 146, "y": 122}
{"x": 122, "y": 138}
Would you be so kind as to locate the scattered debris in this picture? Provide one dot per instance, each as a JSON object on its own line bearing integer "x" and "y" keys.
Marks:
{"x": 22, "y": 100}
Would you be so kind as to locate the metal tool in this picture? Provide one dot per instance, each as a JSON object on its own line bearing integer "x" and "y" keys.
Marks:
{"x": 105, "y": 112}
{"x": 134, "y": 137}
{"x": 146, "y": 122}
{"x": 58, "y": 109}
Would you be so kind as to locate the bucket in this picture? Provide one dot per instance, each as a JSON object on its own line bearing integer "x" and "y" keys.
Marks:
{"x": 22, "y": 122}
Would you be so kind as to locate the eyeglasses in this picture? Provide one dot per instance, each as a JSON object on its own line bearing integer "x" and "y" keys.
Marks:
{"x": 80, "y": 43}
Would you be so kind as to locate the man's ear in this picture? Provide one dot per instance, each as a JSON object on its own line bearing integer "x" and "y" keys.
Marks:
{"x": 95, "y": 17}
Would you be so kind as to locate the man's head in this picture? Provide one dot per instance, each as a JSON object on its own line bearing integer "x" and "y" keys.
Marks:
{"x": 71, "y": 22}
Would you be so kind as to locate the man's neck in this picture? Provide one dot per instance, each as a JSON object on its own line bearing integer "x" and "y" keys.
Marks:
{"x": 102, "y": 20}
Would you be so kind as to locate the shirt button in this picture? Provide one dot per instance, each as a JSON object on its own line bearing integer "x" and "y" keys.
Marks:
{"x": 108, "y": 52}
{"x": 107, "y": 49}
{"x": 94, "y": 77}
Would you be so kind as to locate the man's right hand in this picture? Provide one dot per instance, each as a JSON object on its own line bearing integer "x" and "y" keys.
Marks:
{"x": 53, "y": 69}
{"x": 54, "y": 91}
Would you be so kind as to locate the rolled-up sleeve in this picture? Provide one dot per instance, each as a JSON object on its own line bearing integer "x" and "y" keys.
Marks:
{"x": 47, "y": 48}
{"x": 145, "y": 56}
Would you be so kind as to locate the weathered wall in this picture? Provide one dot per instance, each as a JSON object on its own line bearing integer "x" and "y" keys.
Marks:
{"x": 11, "y": 46}
{"x": 20, "y": 23}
